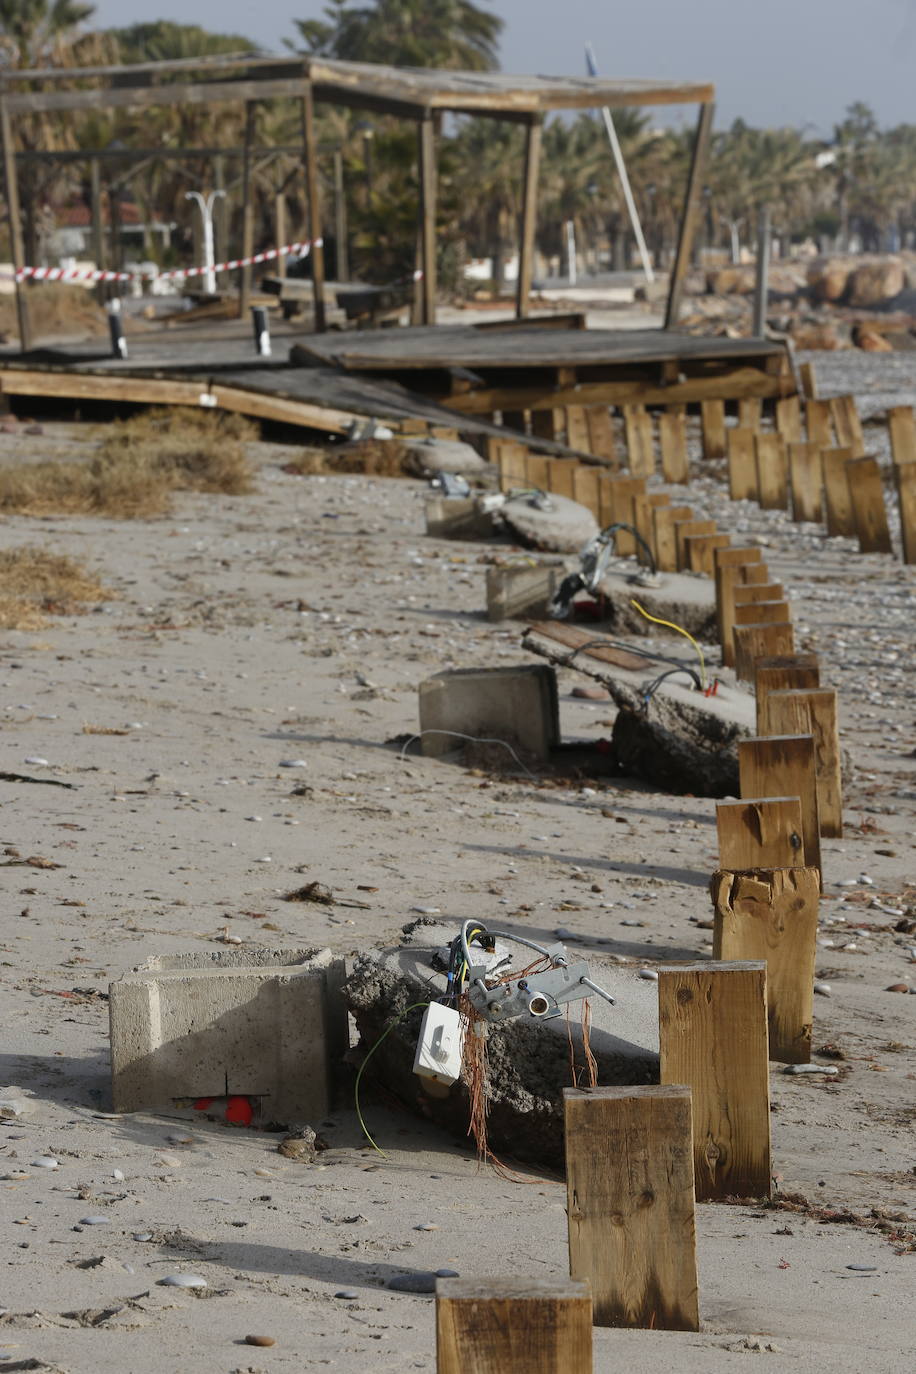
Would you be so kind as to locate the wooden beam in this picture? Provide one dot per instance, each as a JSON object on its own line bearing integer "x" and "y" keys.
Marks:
{"x": 561, "y": 476}
{"x": 672, "y": 434}
{"x": 749, "y": 409}
{"x": 529, "y": 215}
{"x": 762, "y": 613}
{"x": 847, "y": 424}
{"x": 690, "y": 214}
{"x": 146, "y": 97}
{"x": 577, "y": 429}
{"x": 14, "y": 220}
{"x": 760, "y": 832}
{"x": 712, "y": 416}
{"x": 664, "y": 542}
{"x": 818, "y": 423}
{"x": 630, "y": 1204}
{"x": 840, "y": 517}
{"x": 905, "y": 478}
{"x": 788, "y": 419}
{"x": 513, "y": 1326}
{"x": 426, "y": 136}
{"x": 713, "y": 1038}
{"x": 806, "y": 478}
{"x": 742, "y": 465}
{"x": 601, "y": 441}
{"x": 866, "y": 496}
{"x": 784, "y": 766}
{"x": 760, "y": 641}
{"x": 771, "y": 914}
{"x": 587, "y": 488}
{"x": 640, "y": 449}
{"x": 95, "y": 217}
{"x": 902, "y": 428}
{"x": 813, "y": 711}
{"x": 786, "y": 673}
{"x": 772, "y": 472}
{"x": 683, "y": 530}
{"x": 700, "y": 550}
{"x": 313, "y": 202}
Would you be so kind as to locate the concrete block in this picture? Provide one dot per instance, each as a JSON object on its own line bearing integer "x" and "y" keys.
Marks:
{"x": 517, "y": 704}
{"x": 261, "y": 1023}
{"x": 520, "y": 591}
{"x": 457, "y": 518}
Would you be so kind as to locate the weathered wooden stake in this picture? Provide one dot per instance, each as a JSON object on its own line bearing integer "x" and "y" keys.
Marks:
{"x": 760, "y": 641}
{"x": 513, "y": 1326}
{"x": 577, "y": 428}
{"x": 547, "y": 424}
{"x": 586, "y": 488}
{"x": 819, "y": 424}
{"x": 601, "y": 434}
{"x": 561, "y": 476}
{"x": 644, "y": 508}
{"x": 866, "y": 496}
{"x": 630, "y": 1204}
{"x": 664, "y": 519}
{"x": 813, "y": 711}
{"x": 772, "y": 472}
{"x": 700, "y": 548}
{"x": 621, "y": 493}
{"x": 685, "y": 528}
{"x": 749, "y": 410}
{"x": 771, "y": 914}
{"x": 783, "y": 766}
{"x": 902, "y": 427}
{"x": 806, "y": 475}
{"x": 640, "y": 450}
{"x": 731, "y": 566}
{"x": 537, "y": 470}
{"x": 808, "y": 380}
{"x": 847, "y": 424}
{"x": 838, "y": 507}
{"x": 760, "y": 832}
{"x": 742, "y": 465}
{"x": 788, "y": 419}
{"x": 783, "y": 674}
{"x": 746, "y": 593}
{"x": 512, "y": 458}
{"x": 713, "y": 1037}
{"x": 905, "y": 477}
{"x": 712, "y": 415}
{"x": 762, "y": 613}
{"x": 672, "y": 434}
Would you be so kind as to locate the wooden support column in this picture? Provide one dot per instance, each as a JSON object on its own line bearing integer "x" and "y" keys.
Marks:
{"x": 427, "y": 165}
{"x": 771, "y": 914}
{"x": 313, "y": 200}
{"x": 772, "y": 472}
{"x": 840, "y": 518}
{"x": 808, "y": 379}
{"x": 513, "y": 1326}
{"x": 788, "y": 419}
{"x": 98, "y": 229}
{"x": 251, "y": 111}
{"x": 762, "y": 613}
{"x": 713, "y": 1038}
{"x": 630, "y": 1204}
{"x": 672, "y": 435}
{"x": 280, "y": 230}
{"x": 561, "y": 476}
{"x": 806, "y": 478}
{"x": 712, "y": 415}
{"x": 14, "y": 219}
{"x": 340, "y": 219}
{"x": 760, "y": 640}
{"x": 869, "y": 513}
{"x": 547, "y": 424}
{"x": 700, "y": 550}
{"x": 601, "y": 434}
{"x": 537, "y": 471}
{"x": 791, "y": 672}
{"x": 760, "y": 832}
{"x": 903, "y": 434}
{"x": 587, "y": 489}
{"x": 819, "y": 424}
{"x": 640, "y": 449}
{"x": 749, "y": 411}
{"x": 529, "y": 215}
{"x": 577, "y": 428}
{"x": 685, "y": 529}
{"x": 783, "y": 766}
{"x": 905, "y": 477}
{"x": 690, "y": 214}
{"x": 813, "y": 711}
{"x": 664, "y": 519}
{"x": 742, "y": 465}
{"x": 847, "y": 424}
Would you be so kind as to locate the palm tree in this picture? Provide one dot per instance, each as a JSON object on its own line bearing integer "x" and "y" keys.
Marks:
{"x": 38, "y": 33}
{"x": 456, "y": 34}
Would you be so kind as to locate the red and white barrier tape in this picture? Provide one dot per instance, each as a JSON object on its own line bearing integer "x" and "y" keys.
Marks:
{"x": 300, "y": 250}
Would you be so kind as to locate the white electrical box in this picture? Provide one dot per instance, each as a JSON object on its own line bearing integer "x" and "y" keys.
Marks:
{"x": 439, "y": 1046}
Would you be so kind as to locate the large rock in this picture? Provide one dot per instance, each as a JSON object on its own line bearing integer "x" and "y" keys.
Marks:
{"x": 876, "y": 283}
{"x": 731, "y": 281}
{"x": 528, "y": 1059}
{"x": 432, "y": 455}
{"x": 562, "y": 527}
{"x": 828, "y": 278}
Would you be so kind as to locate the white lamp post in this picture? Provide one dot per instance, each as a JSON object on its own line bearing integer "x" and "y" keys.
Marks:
{"x": 206, "y": 204}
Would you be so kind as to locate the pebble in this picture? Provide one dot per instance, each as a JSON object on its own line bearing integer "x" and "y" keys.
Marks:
{"x": 182, "y": 1281}
{"x": 93, "y": 1221}
{"x": 11, "y": 1108}
{"x": 265, "y": 860}
{"x": 591, "y": 694}
{"x": 829, "y": 1069}
{"x": 822, "y": 989}
{"x": 631, "y": 922}
{"x": 254, "y": 818}
{"x": 412, "y": 1283}
{"x": 426, "y": 1226}
{"x": 649, "y": 974}
{"x": 347, "y": 1293}
{"x": 36, "y": 762}
{"x": 46, "y": 1162}
{"x": 260, "y": 1340}
{"x": 427, "y": 910}
{"x": 570, "y": 935}
{"x": 118, "y": 1175}
{"x": 293, "y": 763}
{"x": 863, "y": 1268}
{"x": 143, "y": 1235}
{"x": 898, "y": 987}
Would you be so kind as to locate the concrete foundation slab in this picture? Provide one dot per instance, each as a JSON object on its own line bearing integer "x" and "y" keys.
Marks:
{"x": 520, "y": 591}
{"x": 457, "y": 518}
{"x": 260, "y": 1023}
{"x": 517, "y": 704}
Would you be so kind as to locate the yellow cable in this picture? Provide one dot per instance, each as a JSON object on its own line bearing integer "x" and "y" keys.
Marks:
{"x": 681, "y": 631}
{"x": 387, "y": 1031}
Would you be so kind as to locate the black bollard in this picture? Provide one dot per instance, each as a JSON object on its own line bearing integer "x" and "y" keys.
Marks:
{"x": 116, "y": 330}
{"x": 261, "y": 330}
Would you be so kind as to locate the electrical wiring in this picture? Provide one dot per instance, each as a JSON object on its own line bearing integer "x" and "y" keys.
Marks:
{"x": 653, "y": 686}
{"x": 669, "y": 624}
{"x": 415, "y": 1006}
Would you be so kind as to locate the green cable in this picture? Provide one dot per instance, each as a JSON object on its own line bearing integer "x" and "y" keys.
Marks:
{"x": 386, "y": 1032}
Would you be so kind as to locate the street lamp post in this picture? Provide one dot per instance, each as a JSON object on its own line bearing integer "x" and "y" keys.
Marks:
{"x": 206, "y": 204}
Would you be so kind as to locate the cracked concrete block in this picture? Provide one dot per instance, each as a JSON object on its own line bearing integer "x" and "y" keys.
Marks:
{"x": 262, "y": 1023}
{"x": 521, "y": 591}
{"x": 457, "y": 517}
{"x": 517, "y": 704}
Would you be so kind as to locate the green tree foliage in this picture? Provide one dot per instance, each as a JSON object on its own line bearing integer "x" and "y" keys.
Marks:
{"x": 409, "y": 33}
{"x": 164, "y": 41}
{"x": 36, "y": 33}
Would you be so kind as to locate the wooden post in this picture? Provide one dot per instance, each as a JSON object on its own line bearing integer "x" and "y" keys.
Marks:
{"x": 620, "y": 493}
{"x": 760, "y": 641}
{"x": 808, "y": 379}
{"x": 251, "y": 110}
{"x": 280, "y": 230}
{"x": 561, "y": 476}
{"x": 749, "y": 411}
{"x": 819, "y": 423}
{"x": 537, "y": 471}
{"x": 847, "y": 424}
{"x": 341, "y": 233}
{"x": 601, "y": 433}
{"x": 761, "y": 273}
{"x": 690, "y": 214}
{"x": 672, "y": 434}
{"x": 755, "y": 572}
{"x": 866, "y": 496}
{"x": 712, "y": 414}
{"x": 577, "y": 428}
{"x": 512, "y": 459}
{"x": 529, "y": 214}
{"x": 640, "y": 450}
{"x": 663, "y": 541}
{"x": 730, "y": 567}
{"x": 772, "y": 472}
{"x": 813, "y": 711}
{"x": 788, "y": 419}
{"x": 700, "y": 549}
{"x": 840, "y": 519}
{"x": 683, "y": 529}
{"x": 742, "y": 465}
{"x": 586, "y": 489}
{"x": 762, "y": 613}
{"x": 98, "y": 230}
{"x": 547, "y": 424}
{"x": 771, "y": 914}
{"x": 644, "y": 508}
{"x": 747, "y": 593}
{"x": 790, "y": 672}
{"x": 513, "y": 1326}
{"x": 783, "y": 766}
{"x": 760, "y": 832}
{"x": 313, "y": 198}
{"x": 630, "y": 1204}
{"x": 427, "y": 167}
{"x": 905, "y": 477}
{"x": 14, "y": 219}
{"x": 712, "y": 1022}
{"x": 806, "y": 475}
{"x": 903, "y": 434}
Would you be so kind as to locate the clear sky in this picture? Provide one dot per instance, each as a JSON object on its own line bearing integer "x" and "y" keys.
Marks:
{"x": 797, "y": 62}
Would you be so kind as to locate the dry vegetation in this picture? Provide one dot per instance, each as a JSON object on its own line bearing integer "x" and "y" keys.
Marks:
{"x": 139, "y": 464}
{"x": 35, "y": 584}
{"x": 56, "y": 310}
{"x": 374, "y": 457}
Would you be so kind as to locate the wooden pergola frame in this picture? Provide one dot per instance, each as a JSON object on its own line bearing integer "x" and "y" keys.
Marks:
{"x": 411, "y": 93}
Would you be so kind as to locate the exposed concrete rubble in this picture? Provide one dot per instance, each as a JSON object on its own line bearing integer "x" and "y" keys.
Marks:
{"x": 555, "y": 524}
{"x": 528, "y": 1060}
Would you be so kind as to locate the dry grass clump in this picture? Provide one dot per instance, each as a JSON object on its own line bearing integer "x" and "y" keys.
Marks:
{"x": 140, "y": 462}
{"x": 35, "y": 584}
{"x": 374, "y": 457}
{"x": 56, "y": 310}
